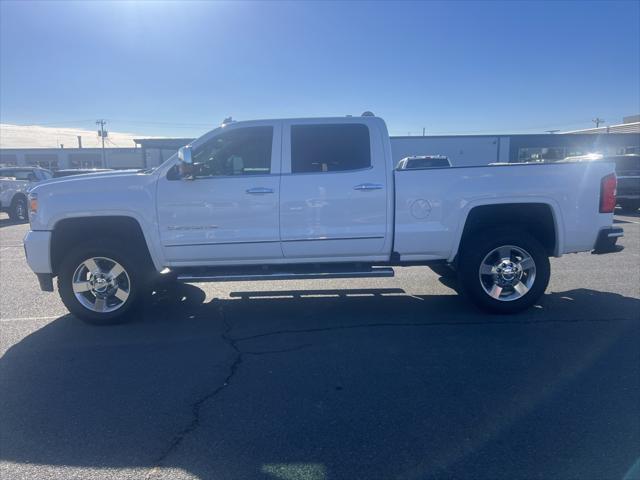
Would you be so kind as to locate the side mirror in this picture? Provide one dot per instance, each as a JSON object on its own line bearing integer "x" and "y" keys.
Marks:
{"x": 185, "y": 163}
{"x": 184, "y": 155}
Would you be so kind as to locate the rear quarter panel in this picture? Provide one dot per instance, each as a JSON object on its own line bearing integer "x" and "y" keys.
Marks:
{"x": 432, "y": 205}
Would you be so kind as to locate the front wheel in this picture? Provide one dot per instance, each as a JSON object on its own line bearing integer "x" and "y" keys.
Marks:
{"x": 18, "y": 211}
{"x": 99, "y": 283}
{"x": 504, "y": 271}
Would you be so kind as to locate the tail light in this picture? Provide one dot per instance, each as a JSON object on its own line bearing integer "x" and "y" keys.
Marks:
{"x": 33, "y": 203}
{"x": 608, "y": 193}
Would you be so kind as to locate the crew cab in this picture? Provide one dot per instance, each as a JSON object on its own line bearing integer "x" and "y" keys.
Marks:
{"x": 14, "y": 185}
{"x": 312, "y": 198}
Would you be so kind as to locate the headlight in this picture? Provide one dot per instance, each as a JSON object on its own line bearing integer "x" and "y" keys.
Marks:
{"x": 33, "y": 203}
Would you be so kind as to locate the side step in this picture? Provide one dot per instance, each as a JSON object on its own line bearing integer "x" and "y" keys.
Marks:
{"x": 283, "y": 272}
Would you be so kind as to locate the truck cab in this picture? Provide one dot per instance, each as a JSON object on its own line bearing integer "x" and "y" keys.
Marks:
{"x": 276, "y": 191}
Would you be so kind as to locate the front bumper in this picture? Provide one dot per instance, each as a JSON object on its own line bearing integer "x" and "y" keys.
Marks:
{"x": 606, "y": 242}
{"x": 37, "y": 248}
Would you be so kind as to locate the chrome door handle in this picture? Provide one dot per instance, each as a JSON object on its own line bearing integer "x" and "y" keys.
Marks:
{"x": 368, "y": 186}
{"x": 259, "y": 190}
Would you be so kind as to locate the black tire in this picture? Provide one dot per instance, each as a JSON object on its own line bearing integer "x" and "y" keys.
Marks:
{"x": 473, "y": 254}
{"x": 19, "y": 209}
{"x": 629, "y": 205}
{"x": 110, "y": 249}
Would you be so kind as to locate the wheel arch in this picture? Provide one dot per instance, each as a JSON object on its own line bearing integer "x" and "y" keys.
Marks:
{"x": 17, "y": 196}
{"x": 540, "y": 217}
{"x": 68, "y": 232}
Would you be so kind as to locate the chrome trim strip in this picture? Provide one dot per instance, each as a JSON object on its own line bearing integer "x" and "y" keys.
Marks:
{"x": 313, "y": 239}
{"x": 218, "y": 243}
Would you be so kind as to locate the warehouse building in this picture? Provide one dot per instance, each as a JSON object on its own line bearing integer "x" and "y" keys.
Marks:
{"x": 462, "y": 150}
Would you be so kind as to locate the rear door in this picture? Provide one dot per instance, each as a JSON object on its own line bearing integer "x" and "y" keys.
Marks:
{"x": 334, "y": 191}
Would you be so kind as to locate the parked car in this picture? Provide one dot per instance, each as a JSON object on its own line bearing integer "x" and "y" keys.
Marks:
{"x": 628, "y": 172}
{"x": 312, "y": 198}
{"x": 423, "y": 161}
{"x": 14, "y": 185}
{"x": 78, "y": 171}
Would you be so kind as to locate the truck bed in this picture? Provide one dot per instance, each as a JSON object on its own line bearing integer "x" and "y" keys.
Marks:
{"x": 432, "y": 205}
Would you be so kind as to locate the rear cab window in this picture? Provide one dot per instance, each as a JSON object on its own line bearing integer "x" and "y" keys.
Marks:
{"x": 321, "y": 148}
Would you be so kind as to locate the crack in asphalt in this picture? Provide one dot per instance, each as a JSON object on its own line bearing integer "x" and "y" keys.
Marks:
{"x": 196, "y": 407}
{"x": 232, "y": 342}
{"x": 428, "y": 324}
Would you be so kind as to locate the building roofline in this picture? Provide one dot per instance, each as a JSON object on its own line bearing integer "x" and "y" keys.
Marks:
{"x": 497, "y": 135}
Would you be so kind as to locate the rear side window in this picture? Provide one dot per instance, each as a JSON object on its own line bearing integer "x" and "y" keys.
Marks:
{"x": 329, "y": 148}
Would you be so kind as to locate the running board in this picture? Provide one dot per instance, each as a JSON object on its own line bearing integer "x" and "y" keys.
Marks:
{"x": 247, "y": 275}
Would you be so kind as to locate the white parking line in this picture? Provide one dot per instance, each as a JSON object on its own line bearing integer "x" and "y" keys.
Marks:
{"x": 26, "y": 319}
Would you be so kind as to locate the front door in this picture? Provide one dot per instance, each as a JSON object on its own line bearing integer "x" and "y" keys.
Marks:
{"x": 228, "y": 213}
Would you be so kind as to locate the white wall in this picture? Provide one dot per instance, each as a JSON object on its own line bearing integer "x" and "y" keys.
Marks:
{"x": 61, "y": 157}
{"x": 462, "y": 151}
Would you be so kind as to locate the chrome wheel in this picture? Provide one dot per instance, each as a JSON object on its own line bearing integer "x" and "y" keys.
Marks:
{"x": 507, "y": 273}
{"x": 21, "y": 210}
{"x": 101, "y": 284}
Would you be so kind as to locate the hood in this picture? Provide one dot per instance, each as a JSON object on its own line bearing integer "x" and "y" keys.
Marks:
{"x": 114, "y": 193}
{"x": 108, "y": 173}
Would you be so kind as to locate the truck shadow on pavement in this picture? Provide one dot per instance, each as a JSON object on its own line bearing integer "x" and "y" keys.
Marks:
{"x": 368, "y": 383}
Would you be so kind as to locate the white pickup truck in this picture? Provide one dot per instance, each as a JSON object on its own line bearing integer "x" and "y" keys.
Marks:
{"x": 312, "y": 198}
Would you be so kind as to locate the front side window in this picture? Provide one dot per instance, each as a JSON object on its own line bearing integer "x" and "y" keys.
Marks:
{"x": 329, "y": 148}
{"x": 241, "y": 151}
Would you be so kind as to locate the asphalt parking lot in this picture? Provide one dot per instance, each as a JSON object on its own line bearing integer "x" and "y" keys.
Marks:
{"x": 347, "y": 379}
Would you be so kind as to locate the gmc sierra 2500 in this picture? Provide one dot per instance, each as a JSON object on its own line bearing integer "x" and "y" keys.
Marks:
{"x": 312, "y": 198}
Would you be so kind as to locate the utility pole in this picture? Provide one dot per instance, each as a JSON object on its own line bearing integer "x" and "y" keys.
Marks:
{"x": 598, "y": 121}
{"x": 102, "y": 133}
{"x": 423, "y": 130}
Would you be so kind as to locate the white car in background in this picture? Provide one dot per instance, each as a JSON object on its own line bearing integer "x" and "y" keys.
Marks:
{"x": 14, "y": 188}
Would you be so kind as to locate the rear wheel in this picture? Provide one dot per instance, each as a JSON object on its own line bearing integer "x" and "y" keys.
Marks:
{"x": 18, "y": 211}
{"x": 100, "y": 283}
{"x": 505, "y": 271}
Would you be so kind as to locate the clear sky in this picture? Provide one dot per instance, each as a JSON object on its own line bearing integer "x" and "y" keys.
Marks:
{"x": 175, "y": 69}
